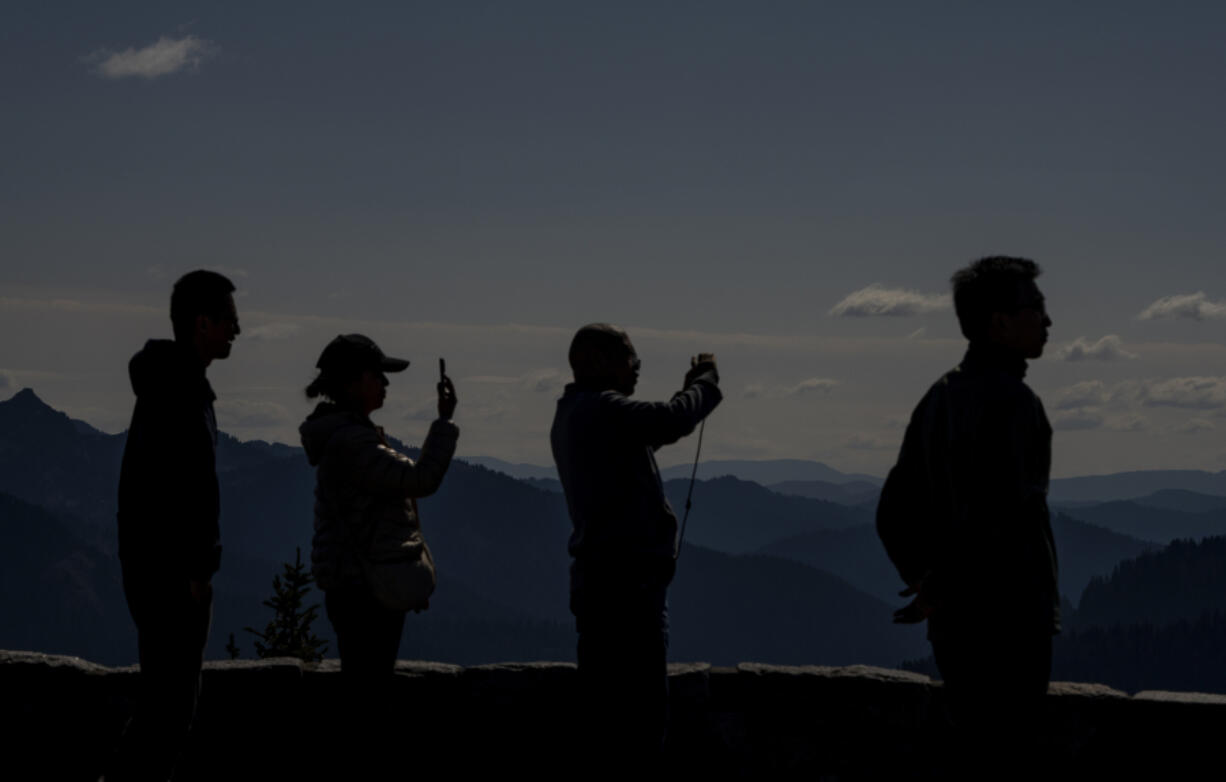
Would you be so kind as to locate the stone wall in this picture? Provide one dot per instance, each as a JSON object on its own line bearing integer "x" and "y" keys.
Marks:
{"x": 275, "y": 719}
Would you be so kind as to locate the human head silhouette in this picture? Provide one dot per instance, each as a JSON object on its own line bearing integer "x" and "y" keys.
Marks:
{"x": 203, "y": 315}
{"x": 998, "y": 302}
{"x": 352, "y": 373}
{"x": 602, "y": 357}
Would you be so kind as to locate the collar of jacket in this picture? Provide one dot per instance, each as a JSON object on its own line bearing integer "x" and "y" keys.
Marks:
{"x": 989, "y": 357}
{"x": 196, "y": 370}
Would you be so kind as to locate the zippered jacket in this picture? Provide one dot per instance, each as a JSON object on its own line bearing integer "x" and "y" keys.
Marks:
{"x": 359, "y": 480}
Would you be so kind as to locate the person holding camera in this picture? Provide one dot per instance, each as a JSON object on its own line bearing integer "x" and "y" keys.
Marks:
{"x": 624, "y": 538}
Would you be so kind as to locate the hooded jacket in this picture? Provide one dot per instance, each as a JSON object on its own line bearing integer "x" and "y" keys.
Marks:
{"x": 965, "y": 509}
{"x": 168, "y": 497}
{"x": 604, "y": 446}
{"x": 359, "y": 478}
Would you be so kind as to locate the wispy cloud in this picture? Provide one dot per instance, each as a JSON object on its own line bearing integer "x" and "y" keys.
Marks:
{"x": 1195, "y": 426}
{"x": 1087, "y": 418}
{"x": 877, "y": 300}
{"x": 1078, "y": 418}
{"x": 1128, "y": 423}
{"x": 812, "y": 385}
{"x": 1109, "y": 348}
{"x": 1192, "y": 306}
{"x": 1196, "y": 393}
{"x": 14, "y": 303}
{"x": 1193, "y": 393}
{"x": 1087, "y": 393}
{"x": 269, "y": 332}
{"x": 163, "y": 57}
{"x": 540, "y": 381}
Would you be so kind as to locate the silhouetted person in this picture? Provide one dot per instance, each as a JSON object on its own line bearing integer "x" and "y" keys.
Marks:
{"x": 363, "y": 485}
{"x": 624, "y": 539}
{"x": 963, "y": 516}
{"x": 169, "y": 540}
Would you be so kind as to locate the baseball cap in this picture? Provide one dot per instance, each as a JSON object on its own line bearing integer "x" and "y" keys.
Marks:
{"x": 355, "y": 353}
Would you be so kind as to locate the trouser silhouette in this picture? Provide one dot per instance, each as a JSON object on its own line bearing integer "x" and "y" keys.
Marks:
{"x": 995, "y": 683}
{"x": 623, "y": 675}
{"x": 366, "y": 718}
{"x": 172, "y": 628}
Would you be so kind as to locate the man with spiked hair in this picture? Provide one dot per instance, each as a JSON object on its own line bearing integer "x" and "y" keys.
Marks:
{"x": 963, "y": 516}
{"x": 624, "y": 538}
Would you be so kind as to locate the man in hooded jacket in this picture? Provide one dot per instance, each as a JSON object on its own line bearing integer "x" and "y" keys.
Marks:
{"x": 169, "y": 538}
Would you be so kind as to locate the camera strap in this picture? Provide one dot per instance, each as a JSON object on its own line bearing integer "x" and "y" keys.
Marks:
{"x": 689, "y": 496}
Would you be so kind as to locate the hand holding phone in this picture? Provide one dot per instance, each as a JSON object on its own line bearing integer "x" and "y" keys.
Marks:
{"x": 446, "y": 392}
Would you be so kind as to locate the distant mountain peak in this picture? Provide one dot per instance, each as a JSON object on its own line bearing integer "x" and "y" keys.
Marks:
{"x": 26, "y": 405}
{"x": 26, "y": 399}
{"x": 26, "y": 411}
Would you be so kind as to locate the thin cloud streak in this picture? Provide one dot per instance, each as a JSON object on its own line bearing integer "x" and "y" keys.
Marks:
{"x": 1188, "y": 306}
{"x": 1109, "y": 348}
{"x": 271, "y": 332}
{"x": 1081, "y": 418}
{"x": 812, "y": 385}
{"x": 879, "y": 301}
{"x": 161, "y": 58}
{"x": 1084, "y": 394}
{"x": 1195, "y": 393}
{"x": 1195, "y": 426}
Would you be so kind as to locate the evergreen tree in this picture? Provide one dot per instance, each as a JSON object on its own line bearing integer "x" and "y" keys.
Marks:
{"x": 232, "y": 648}
{"x": 289, "y": 633}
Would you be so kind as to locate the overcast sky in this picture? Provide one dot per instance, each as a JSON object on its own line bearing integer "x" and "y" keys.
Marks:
{"x": 788, "y": 184}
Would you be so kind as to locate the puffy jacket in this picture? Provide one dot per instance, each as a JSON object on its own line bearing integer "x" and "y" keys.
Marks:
{"x": 604, "y": 446}
{"x": 965, "y": 508}
{"x": 359, "y": 480}
{"x": 168, "y": 498}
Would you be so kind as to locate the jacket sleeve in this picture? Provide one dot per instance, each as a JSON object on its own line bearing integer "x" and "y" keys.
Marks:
{"x": 377, "y": 469}
{"x": 661, "y": 423}
{"x": 906, "y": 523}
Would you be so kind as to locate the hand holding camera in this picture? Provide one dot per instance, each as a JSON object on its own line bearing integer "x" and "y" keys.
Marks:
{"x": 701, "y": 364}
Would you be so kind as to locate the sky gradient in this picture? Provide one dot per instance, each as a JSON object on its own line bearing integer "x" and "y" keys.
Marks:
{"x": 787, "y": 184}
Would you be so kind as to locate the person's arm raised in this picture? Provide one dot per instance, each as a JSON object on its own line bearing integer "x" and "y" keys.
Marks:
{"x": 661, "y": 423}
{"x": 379, "y": 469}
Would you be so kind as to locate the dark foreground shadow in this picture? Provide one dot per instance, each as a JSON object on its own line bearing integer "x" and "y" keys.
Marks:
{"x": 277, "y": 720}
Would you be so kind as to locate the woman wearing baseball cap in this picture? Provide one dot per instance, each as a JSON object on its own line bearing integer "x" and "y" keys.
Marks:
{"x": 368, "y": 554}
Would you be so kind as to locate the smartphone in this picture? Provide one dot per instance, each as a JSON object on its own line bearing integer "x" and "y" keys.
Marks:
{"x": 442, "y": 369}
